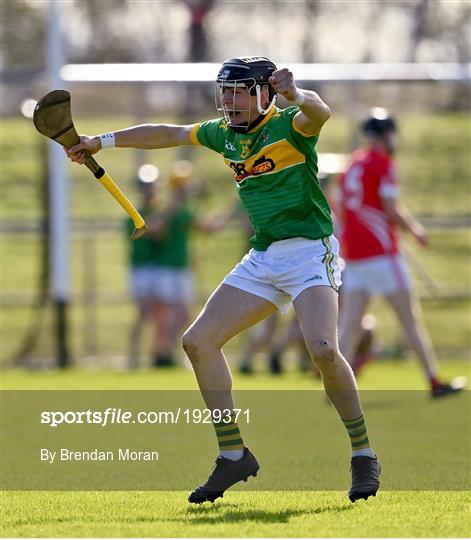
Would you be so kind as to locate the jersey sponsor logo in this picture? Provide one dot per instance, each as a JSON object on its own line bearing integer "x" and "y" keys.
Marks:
{"x": 240, "y": 172}
{"x": 262, "y": 165}
{"x": 272, "y": 157}
{"x": 229, "y": 146}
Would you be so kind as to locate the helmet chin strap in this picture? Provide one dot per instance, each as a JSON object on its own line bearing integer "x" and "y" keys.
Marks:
{"x": 260, "y": 109}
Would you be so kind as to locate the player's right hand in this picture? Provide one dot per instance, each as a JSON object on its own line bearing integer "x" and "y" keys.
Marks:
{"x": 78, "y": 152}
{"x": 283, "y": 83}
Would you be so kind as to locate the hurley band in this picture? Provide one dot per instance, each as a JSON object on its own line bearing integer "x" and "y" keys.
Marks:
{"x": 107, "y": 140}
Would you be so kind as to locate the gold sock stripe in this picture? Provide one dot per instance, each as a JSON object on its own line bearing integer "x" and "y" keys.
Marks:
{"x": 357, "y": 439}
{"x": 228, "y": 436}
{"x": 232, "y": 447}
{"x": 355, "y": 426}
{"x": 235, "y": 444}
{"x": 360, "y": 437}
{"x": 232, "y": 431}
{"x": 353, "y": 420}
{"x": 365, "y": 443}
{"x": 357, "y": 432}
{"x": 221, "y": 425}
{"x": 225, "y": 429}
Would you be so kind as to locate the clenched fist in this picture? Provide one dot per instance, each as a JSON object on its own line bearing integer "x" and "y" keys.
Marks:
{"x": 88, "y": 144}
{"x": 283, "y": 83}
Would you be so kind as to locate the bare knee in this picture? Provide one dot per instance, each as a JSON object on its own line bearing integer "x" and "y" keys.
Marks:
{"x": 324, "y": 353}
{"x": 197, "y": 343}
{"x": 191, "y": 342}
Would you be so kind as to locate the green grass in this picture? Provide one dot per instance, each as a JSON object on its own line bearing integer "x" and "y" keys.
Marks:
{"x": 239, "y": 514}
{"x": 380, "y": 375}
{"x": 432, "y": 184}
{"x": 255, "y": 514}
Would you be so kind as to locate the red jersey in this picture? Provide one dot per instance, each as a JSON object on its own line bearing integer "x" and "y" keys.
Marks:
{"x": 366, "y": 229}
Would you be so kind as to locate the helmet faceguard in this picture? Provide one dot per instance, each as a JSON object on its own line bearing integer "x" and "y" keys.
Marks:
{"x": 229, "y": 111}
{"x": 251, "y": 74}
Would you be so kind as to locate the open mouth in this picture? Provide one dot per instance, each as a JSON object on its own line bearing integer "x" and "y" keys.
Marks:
{"x": 233, "y": 115}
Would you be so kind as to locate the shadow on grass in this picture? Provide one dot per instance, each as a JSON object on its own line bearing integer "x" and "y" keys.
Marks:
{"x": 230, "y": 514}
{"x": 199, "y": 515}
{"x": 20, "y": 522}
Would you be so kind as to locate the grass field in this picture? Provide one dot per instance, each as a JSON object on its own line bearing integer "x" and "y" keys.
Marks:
{"x": 432, "y": 184}
{"x": 240, "y": 513}
{"x": 254, "y": 514}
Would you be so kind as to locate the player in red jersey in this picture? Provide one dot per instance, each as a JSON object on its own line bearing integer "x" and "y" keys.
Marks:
{"x": 371, "y": 214}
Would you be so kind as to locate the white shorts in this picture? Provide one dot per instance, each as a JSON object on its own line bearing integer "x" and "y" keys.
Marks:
{"x": 172, "y": 285}
{"x": 385, "y": 274}
{"x": 288, "y": 267}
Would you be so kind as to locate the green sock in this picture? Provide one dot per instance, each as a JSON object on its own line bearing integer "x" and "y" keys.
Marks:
{"x": 231, "y": 445}
{"x": 356, "y": 429}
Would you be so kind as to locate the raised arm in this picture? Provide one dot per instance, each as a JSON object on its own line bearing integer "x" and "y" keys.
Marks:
{"x": 146, "y": 136}
{"x": 314, "y": 112}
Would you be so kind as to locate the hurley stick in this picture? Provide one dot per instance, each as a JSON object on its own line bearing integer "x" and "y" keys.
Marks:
{"x": 53, "y": 118}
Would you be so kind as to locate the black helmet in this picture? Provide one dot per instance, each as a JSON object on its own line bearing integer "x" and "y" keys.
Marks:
{"x": 252, "y": 72}
{"x": 249, "y": 69}
{"x": 378, "y": 122}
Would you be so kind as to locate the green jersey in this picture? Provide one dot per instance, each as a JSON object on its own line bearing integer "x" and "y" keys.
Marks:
{"x": 141, "y": 250}
{"x": 170, "y": 249}
{"x": 173, "y": 244}
{"x": 275, "y": 167}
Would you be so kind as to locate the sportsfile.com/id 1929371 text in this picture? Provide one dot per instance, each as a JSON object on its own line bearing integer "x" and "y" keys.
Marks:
{"x": 113, "y": 416}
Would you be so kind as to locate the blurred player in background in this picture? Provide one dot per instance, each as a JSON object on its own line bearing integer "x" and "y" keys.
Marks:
{"x": 370, "y": 214}
{"x": 151, "y": 287}
{"x": 330, "y": 165}
{"x": 293, "y": 260}
{"x": 174, "y": 275}
{"x": 142, "y": 267}
{"x": 164, "y": 285}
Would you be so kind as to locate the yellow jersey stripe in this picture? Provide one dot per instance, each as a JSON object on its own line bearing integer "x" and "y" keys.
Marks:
{"x": 303, "y": 133}
{"x": 265, "y": 120}
{"x": 277, "y": 157}
{"x": 193, "y": 132}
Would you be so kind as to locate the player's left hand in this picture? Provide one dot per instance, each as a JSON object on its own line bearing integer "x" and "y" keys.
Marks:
{"x": 283, "y": 83}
